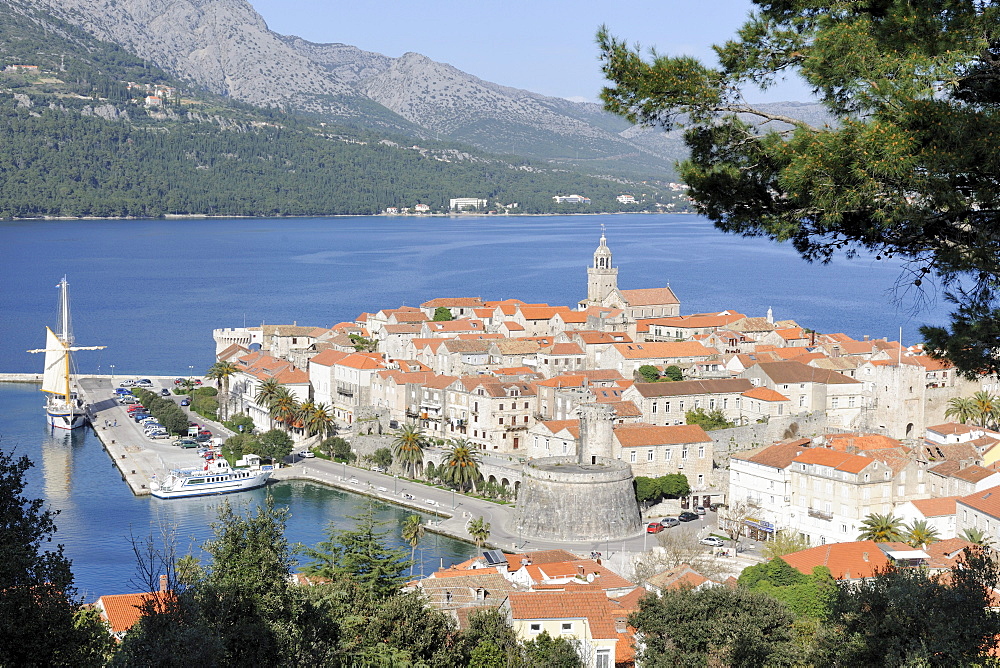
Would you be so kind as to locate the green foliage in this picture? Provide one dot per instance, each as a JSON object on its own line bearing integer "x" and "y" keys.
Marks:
{"x": 274, "y": 445}
{"x": 362, "y": 344}
{"x": 360, "y": 553}
{"x": 239, "y": 423}
{"x": 805, "y": 595}
{"x": 168, "y": 413}
{"x": 544, "y": 651}
{"x": 906, "y": 617}
{"x": 383, "y": 458}
{"x": 777, "y": 572}
{"x": 337, "y": 449}
{"x": 408, "y": 447}
{"x": 708, "y": 420}
{"x": 460, "y": 466}
{"x": 442, "y": 314}
{"x": 714, "y": 626}
{"x": 904, "y": 169}
{"x": 673, "y": 373}
{"x": 648, "y": 373}
{"x": 654, "y": 490}
{"x": 41, "y": 618}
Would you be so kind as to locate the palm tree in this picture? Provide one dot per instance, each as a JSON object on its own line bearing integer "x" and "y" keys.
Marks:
{"x": 284, "y": 408}
{"x": 413, "y": 531}
{"x": 479, "y": 529}
{"x": 976, "y": 537}
{"x": 881, "y": 528}
{"x": 920, "y": 534}
{"x": 986, "y": 407}
{"x": 265, "y": 395}
{"x": 408, "y": 447}
{"x": 221, "y": 372}
{"x": 317, "y": 418}
{"x": 961, "y": 408}
{"x": 461, "y": 465}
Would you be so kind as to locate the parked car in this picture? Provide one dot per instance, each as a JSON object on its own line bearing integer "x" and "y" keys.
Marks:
{"x": 203, "y": 437}
{"x": 127, "y": 383}
{"x": 307, "y": 454}
{"x": 715, "y": 507}
{"x": 687, "y": 516}
{"x": 699, "y": 510}
{"x": 139, "y": 416}
{"x": 186, "y": 401}
{"x": 145, "y": 382}
{"x": 711, "y": 541}
{"x": 158, "y": 434}
{"x": 180, "y": 442}
{"x": 122, "y": 390}
{"x": 668, "y": 522}
{"x": 164, "y": 392}
{"x": 178, "y": 381}
{"x": 654, "y": 527}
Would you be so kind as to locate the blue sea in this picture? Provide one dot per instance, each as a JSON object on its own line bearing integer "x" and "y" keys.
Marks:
{"x": 153, "y": 291}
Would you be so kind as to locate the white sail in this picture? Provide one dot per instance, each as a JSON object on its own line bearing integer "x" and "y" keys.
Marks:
{"x": 56, "y": 378}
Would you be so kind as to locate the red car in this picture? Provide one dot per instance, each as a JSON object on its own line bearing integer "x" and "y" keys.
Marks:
{"x": 135, "y": 407}
{"x": 654, "y": 527}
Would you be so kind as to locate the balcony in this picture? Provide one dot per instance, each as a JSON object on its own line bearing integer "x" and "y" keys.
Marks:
{"x": 345, "y": 391}
{"x": 820, "y": 514}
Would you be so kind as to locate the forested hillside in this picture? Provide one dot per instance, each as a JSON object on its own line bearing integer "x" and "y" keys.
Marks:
{"x": 81, "y": 138}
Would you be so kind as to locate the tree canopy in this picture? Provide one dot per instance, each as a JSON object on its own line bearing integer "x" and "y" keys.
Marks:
{"x": 906, "y": 169}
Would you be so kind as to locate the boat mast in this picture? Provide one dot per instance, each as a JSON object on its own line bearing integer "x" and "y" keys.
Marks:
{"x": 65, "y": 333}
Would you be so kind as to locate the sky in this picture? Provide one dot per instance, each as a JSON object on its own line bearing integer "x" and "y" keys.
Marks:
{"x": 545, "y": 46}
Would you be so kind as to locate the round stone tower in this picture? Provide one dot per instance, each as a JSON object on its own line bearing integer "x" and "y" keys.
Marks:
{"x": 586, "y": 497}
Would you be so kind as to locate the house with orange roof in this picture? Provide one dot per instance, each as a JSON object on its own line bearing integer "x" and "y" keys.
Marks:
{"x": 600, "y": 626}
{"x": 655, "y": 451}
{"x": 761, "y": 481}
{"x": 626, "y": 358}
{"x": 451, "y": 328}
{"x": 351, "y": 383}
{"x": 848, "y": 561}
{"x": 728, "y": 342}
{"x": 811, "y": 390}
{"x": 122, "y": 611}
{"x": 490, "y": 413}
{"x": 281, "y": 340}
{"x": 961, "y": 477}
{"x": 254, "y": 370}
{"x": 559, "y": 358}
{"x": 553, "y": 438}
{"x": 668, "y": 402}
{"x": 400, "y": 392}
{"x": 678, "y": 577}
{"x": 472, "y": 588}
{"x": 980, "y": 511}
{"x": 832, "y": 491}
{"x": 761, "y": 404}
{"x": 938, "y": 513}
{"x": 460, "y": 307}
{"x": 513, "y": 352}
{"x": 686, "y": 327}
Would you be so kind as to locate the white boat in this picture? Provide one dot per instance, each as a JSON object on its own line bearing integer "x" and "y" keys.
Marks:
{"x": 64, "y": 406}
{"x": 216, "y": 477}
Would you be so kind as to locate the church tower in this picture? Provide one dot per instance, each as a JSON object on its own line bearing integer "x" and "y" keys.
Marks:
{"x": 602, "y": 278}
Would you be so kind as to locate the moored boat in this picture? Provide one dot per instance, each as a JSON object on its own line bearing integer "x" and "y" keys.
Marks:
{"x": 216, "y": 477}
{"x": 64, "y": 406}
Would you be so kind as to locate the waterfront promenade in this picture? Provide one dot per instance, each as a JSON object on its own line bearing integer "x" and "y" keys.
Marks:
{"x": 139, "y": 459}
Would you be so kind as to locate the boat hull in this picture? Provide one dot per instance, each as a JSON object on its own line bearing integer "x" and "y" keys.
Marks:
{"x": 60, "y": 416}
{"x": 190, "y": 487}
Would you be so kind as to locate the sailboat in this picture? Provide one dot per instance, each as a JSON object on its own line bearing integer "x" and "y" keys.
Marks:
{"x": 64, "y": 407}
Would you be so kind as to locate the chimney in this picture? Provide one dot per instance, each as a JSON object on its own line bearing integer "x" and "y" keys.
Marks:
{"x": 864, "y": 555}
{"x": 163, "y": 584}
{"x": 962, "y": 464}
{"x": 579, "y": 570}
{"x": 864, "y": 338}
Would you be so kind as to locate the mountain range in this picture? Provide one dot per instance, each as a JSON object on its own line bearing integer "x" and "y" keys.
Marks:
{"x": 226, "y": 47}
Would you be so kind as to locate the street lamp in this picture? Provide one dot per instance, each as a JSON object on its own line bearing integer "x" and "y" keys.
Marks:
{"x": 453, "y": 498}
{"x": 191, "y": 371}
{"x": 112, "y": 371}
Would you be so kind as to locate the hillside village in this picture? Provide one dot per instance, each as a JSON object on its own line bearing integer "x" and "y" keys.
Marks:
{"x": 825, "y": 429}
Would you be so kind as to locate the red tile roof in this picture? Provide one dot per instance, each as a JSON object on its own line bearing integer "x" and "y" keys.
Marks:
{"x": 663, "y": 350}
{"x": 639, "y": 435}
{"x": 846, "y": 561}
{"x": 986, "y": 501}
{"x": 840, "y": 461}
{"x": 936, "y": 507}
{"x": 650, "y": 296}
{"x": 764, "y": 394}
{"x": 779, "y": 455}
{"x": 124, "y": 610}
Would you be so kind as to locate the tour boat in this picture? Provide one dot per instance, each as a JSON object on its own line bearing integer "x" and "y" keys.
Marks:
{"x": 215, "y": 477}
{"x": 64, "y": 406}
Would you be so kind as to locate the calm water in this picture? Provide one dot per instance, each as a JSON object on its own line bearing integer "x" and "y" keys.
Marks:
{"x": 152, "y": 291}
{"x": 98, "y": 513}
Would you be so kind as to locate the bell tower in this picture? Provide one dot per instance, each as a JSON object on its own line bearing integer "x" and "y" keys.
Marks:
{"x": 602, "y": 277}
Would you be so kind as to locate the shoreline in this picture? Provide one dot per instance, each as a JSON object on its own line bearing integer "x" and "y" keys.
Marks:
{"x": 464, "y": 214}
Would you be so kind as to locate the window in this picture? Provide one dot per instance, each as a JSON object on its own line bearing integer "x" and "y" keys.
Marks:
{"x": 802, "y": 400}
{"x": 649, "y": 456}
{"x": 603, "y": 658}
{"x": 684, "y": 453}
{"x": 567, "y": 626}
{"x": 501, "y": 406}
{"x": 711, "y": 404}
{"x": 654, "y": 408}
{"x": 536, "y": 627}
{"x": 850, "y": 401}
{"x": 682, "y": 406}
{"x": 834, "y": 402}
{"x": 668, "y": 454}
{"x": 631, "y": 457}
{"x": 501, "y": 420}
{"x": 701, "y": 479}
{"x": 666, "y": 407}
{"x": 725, "y": 403}
{"x": 701, "y": 452}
